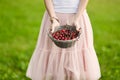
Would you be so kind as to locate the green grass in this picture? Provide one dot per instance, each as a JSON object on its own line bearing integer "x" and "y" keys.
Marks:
{"x": 19, "y": 28}
{"x": 105, "y": 19}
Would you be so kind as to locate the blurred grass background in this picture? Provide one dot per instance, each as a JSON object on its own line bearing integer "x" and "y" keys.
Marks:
{"x": 19, "y": 28}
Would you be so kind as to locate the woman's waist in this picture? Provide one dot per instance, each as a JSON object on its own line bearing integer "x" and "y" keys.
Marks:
{"x": 66, "y": 8}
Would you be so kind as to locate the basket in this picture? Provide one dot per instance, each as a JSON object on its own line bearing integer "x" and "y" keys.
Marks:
{"x": 64, "y": 43}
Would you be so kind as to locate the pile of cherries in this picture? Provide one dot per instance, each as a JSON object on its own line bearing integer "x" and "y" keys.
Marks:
{"x": 65, "y": 34}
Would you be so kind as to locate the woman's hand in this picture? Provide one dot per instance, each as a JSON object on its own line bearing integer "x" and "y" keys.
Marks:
{"x": 75, "y": 22}
{"x": 54, "y": 23}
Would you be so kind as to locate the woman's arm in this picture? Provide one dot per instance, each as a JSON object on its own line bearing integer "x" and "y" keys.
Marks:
{"x": 50, "y": 8}
{"x": 81, "y": 8}
{"x": 51, "y": 12}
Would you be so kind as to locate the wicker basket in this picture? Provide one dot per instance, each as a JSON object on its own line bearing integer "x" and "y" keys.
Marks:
{"x": 64, "y": 43}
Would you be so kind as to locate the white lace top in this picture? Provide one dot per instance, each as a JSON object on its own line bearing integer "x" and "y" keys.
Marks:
{"x": 66, "y": 6}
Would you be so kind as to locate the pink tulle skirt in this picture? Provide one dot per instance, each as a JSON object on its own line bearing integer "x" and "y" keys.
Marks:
{"x": 78, "y": 62}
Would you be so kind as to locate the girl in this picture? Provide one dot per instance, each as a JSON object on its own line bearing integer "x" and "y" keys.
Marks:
{"x": 78, "y": 62}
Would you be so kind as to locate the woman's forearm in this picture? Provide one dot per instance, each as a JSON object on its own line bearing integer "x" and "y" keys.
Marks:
{"x": 50, "y": 8}
{"x": 81, "y": 8}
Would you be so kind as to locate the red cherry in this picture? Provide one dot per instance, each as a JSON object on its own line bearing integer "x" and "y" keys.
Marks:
{"x": 65, "y": 34}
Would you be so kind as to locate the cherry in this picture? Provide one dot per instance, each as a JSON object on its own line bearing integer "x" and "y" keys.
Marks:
{"x": 65, "y": 34}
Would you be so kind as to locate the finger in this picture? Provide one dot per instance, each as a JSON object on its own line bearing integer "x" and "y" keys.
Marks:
{"x": 52, "y": 30}
{"x": 78, "y": 28}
